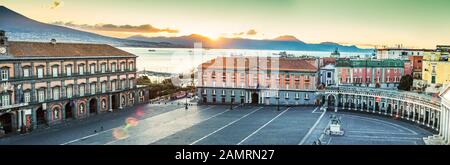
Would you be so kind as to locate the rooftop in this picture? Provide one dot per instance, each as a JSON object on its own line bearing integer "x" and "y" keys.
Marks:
{"x": 49, "y": 49}
{"x": 262, "y": 63}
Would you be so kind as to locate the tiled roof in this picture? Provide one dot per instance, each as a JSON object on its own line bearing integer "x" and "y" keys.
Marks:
{"x": 43, "y": 49}
{"x": 263, "y": 63}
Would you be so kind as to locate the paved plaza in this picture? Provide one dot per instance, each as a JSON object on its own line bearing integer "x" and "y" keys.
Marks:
{"x": 172, "y": 124}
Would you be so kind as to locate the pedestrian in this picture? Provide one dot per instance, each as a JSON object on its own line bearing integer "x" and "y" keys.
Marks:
{"x": 101, "y": 128}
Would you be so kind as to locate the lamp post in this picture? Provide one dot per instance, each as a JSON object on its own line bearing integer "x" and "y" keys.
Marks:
{"x": 185, "y": 95}
{"x": 278, "y": 103}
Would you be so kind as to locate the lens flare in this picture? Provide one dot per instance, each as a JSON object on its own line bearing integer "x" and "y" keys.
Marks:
{"x": 131, "y": 121}
{"x": 139, "y": 112}
{"x": 120, "y": 133}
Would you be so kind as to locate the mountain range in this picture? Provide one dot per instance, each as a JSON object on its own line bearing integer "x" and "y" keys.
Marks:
{"x": 19, "y": 27}
{"x": 285, "y": 42}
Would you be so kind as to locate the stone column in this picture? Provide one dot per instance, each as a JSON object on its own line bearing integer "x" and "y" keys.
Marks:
{"x": 63, "y": 112}
{"x": 414, "y": 112}
{"x": 367, "y": 104}
{"x": 110, "y": 102}
{"x": 336, "y": 103}
{"x": 374, "y": 104}
{"x": 441, "y": 125}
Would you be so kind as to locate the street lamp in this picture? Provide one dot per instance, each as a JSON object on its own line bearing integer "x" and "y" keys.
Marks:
{"x": 278, "y": 103}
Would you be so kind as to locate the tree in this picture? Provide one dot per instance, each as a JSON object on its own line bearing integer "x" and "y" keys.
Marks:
{"x": 144, "y": 80}
{"x": 405, "y": 83}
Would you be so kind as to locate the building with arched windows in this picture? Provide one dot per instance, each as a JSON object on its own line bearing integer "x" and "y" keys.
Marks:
{"x": 45, "y": 83}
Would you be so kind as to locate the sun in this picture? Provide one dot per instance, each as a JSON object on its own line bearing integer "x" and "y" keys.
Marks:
{"x": 213, "y": 36}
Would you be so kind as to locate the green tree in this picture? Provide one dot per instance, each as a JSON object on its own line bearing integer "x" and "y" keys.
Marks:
{"x": 144, "y": 80}
{"x": 406, "y": 83}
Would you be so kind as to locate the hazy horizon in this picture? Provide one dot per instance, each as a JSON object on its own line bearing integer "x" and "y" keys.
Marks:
{"x": 412, "y": 23}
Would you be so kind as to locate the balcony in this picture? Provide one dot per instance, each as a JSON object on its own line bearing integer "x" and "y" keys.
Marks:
{"x": 4, "y": 108}
{"x": 64, "y": 76}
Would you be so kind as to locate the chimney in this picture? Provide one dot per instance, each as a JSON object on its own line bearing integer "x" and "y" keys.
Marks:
{"x": 53, "y": 41}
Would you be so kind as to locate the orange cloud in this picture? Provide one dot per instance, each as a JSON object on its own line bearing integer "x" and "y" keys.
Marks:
{"x": 55, "y": 4}
{"x": 251, "y": 32}
{"x": 147, "y": 28}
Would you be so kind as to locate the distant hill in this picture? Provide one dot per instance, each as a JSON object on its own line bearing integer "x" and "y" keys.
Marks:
{"x": 19, "y": 27}
{"x": 285, "y": 42}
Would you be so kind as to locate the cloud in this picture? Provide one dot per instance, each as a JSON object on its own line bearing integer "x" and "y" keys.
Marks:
{"x": 251, "y": 32}
{"x": 55, "y": 4}
{"x": 147, "y": 28}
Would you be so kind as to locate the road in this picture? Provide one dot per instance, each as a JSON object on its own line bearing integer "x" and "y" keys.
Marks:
{"x": 172, "y": 124}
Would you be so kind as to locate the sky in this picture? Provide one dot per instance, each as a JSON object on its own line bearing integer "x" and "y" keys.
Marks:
{"x": 366, "y": 23}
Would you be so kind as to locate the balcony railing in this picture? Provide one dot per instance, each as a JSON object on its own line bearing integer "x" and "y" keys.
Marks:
{"x": 61, "y": 76}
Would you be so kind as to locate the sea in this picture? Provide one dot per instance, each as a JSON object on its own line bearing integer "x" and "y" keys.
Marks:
{"x": 184, "y": 60}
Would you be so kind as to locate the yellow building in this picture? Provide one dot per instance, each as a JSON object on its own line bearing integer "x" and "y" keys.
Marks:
{"x": 436, "y": 67}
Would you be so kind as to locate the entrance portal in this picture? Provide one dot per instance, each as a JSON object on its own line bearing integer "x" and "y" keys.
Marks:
{"x": 40, "y": 116}
{"x": 255, "y": 98}
{"x": 93, "y": 106}
{"x": 68, "y": 110}
{"x": 114, "y": 104}
{"x": 331, "y": 102}
{"x": 6, "y": 123}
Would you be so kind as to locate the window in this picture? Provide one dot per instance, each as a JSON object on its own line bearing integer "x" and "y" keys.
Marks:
{"x": 81, "y": 69}
{"x": 5, "y": 100}
{"x": 131, "y": 83}
{"x": 328, "y": 74}
{"x": 296, "y": 95}
{"x": 55, "y": 71}
{"x": 41, "y": 96}
{"x": 81, "y": 88}
{"x": 113, "y": 67}
{"x": 122, "y": 84}
{"x": 130, "y": 66}
{"x": 69, "y": 70}
{"x": 103, "y": 87}
{"x": 27, "y": 97}
{"x": 40, "y": 73}
{"x": 103, "y": 68}
{"x": 306, "y": 96}
{"x": 56, "y": 93}
{"x": 26, "y": 72}
{"x": 122, "y": 66}
{"x": 69, "y": 92}
{"x": 113, "y": 86}
{"x": 287, "y": 95}
{"x": 93, "y": 85}
{"x": 232, "y": 93}
{"x": 5, "y": 73}
{"x": 214, "y": 92}
{"x": 92, "y": 68}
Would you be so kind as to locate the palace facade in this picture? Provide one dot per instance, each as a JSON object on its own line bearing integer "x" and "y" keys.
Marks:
{"x": 371, "y": 73}
{"x": 46, "y": 83}
{"x": 258, "y": 80}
